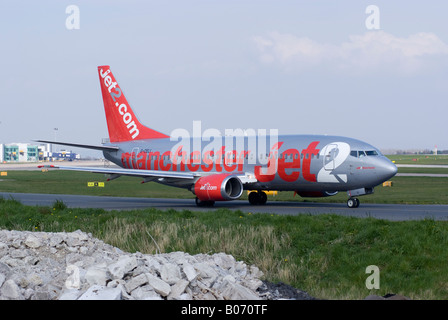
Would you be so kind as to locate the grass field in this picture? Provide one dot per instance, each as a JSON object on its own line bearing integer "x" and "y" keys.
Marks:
{"x": 326, "y": 255}
{"x": 441, "y": 159}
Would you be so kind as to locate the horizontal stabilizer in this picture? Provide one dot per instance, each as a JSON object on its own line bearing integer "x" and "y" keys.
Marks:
{"x": 78, "y": 145}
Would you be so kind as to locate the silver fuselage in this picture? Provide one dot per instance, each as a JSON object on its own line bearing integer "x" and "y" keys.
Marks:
{"x": 303, "y": 163}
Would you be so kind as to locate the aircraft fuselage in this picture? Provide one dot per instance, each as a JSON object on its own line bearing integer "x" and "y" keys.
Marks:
{"x": 294, "y": 162}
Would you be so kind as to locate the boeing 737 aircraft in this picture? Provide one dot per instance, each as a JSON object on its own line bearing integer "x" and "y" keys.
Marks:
{"x": 219, "y": 168}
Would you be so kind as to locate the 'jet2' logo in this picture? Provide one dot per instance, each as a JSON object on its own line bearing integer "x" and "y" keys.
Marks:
{"x": 115, "y": 93}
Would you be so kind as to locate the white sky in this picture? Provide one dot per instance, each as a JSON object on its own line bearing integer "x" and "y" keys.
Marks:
{"x": 302, "y": 67}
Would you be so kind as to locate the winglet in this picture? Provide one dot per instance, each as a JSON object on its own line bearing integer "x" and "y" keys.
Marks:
{"x": 122, "y": 123}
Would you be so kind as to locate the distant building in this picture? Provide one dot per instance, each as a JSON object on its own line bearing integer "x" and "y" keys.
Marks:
{"x": 25, "y": 152}
{"x": 19, "y": 152}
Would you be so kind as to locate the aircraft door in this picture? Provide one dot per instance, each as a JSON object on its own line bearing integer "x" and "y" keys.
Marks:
{"x": 330, "y": 153}
{"x": 333, "y": 156}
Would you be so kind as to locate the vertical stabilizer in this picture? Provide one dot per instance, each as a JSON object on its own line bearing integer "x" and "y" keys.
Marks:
{"x": 122, "y": 123}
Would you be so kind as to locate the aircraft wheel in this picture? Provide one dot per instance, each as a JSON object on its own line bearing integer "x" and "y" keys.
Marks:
{"x": 256, "y": 198}
{"x": 263, "y": 197}
{"x": 201, "y": 203}
{"x": 353, "y": 203}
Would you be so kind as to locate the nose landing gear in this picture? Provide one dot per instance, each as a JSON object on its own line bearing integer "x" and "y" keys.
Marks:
{"x": 353, "y": 203}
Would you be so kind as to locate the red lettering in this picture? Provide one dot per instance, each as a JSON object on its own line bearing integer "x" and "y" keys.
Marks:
{"x": 194, "y": 158}
{"x": 133, "y": 158}
{"x": 264, "y": 177}
{"x": 243, "y": 155}
{"x": 219, "y": 157}
{"x": 125, "y": 159}
{"x": 153, "y": 156}
{"x": 311, "y": 150}
{"x": 294, "y": 164}
{"x": 175, "y": 159}
{"x": 163, "y": 166}
{"x": 231, "y": 158}
{"x": 272, "y": 165}
{"x": 148, "y": 161}
{"x": 207, "y": 161}
{"x": 141, "y": 160}
{"x": 287, "y": 165}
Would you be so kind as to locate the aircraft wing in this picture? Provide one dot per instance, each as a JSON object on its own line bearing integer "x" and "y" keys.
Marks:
{"x": 245, "y": 177}
{"x": 116, "y": 172}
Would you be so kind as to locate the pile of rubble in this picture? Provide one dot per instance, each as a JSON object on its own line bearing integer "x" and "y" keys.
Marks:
{"x": 39, "y": 265}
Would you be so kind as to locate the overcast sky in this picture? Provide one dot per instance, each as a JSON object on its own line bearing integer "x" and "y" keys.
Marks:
{"x": 302, "y": 67}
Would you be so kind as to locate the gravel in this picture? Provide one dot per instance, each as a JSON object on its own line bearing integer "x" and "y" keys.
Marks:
{"x": 41, "y": 266}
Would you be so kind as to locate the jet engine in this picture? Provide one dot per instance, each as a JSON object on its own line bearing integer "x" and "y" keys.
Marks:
{"x": 218, "y": 187}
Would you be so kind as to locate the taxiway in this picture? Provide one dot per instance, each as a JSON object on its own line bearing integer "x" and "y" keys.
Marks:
{"x": 394, "y": 212}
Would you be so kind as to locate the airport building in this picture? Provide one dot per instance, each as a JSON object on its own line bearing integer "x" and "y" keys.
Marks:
{"x": 19, "y": 152}
{"x": 25, "y": 152}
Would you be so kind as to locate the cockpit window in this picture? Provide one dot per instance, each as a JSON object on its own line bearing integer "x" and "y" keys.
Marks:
{"x": 360, "y": 154}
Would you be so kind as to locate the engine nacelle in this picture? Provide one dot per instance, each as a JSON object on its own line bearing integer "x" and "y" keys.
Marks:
{"x": 218, "y": 187}
{"x": 315, "y": 194}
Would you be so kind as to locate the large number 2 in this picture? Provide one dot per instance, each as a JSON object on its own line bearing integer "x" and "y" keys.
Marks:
{"x": 115, "y": 95}
{"x": 337, "y": 153}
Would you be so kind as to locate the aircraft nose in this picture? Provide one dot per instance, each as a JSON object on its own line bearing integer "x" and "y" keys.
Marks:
{"x": 387, "y": 169}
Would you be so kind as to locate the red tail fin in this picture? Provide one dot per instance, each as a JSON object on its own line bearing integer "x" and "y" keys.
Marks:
{"x": 122, "y": 123}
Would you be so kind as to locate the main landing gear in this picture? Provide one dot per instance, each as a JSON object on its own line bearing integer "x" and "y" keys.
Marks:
{"x": 201, "y": 203}
{"x": 257, "y": 198}
{"x": 353, "y": 203}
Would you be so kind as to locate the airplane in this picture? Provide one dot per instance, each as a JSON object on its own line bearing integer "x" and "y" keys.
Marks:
{"x": 219, "y": 168}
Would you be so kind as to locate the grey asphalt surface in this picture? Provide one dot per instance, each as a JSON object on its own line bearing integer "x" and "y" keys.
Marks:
{"x": 394, "y": 212}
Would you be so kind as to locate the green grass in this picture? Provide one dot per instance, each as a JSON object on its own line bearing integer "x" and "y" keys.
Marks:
{"x": 70, "y": 182}
{"x": 326, "y": 255}
{"x": 419, "y": 159}
{"x": 423, "y": 170}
